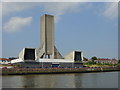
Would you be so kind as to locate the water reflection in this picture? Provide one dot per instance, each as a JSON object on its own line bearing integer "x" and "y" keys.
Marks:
{"x": 28, "y": 81}
{"x": 97, "y": 80}
{"x": 80, "y": 80}
{"x": 49, "y": 81}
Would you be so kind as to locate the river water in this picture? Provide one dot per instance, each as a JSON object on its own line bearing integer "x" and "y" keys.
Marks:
{"x": 73, "y": 80}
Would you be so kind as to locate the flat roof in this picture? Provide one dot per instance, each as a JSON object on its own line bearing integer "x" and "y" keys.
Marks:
{"x": 56, "y": 60}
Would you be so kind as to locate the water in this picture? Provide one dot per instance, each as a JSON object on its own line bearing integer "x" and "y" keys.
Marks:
{"x": 74, "y": 80}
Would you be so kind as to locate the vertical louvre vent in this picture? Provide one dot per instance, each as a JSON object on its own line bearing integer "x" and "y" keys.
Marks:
{"x": 78, "y": 56}
{"x": 29, "y": 54}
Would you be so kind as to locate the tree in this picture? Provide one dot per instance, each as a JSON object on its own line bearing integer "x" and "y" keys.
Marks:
{"x": 85, "y": 59}
{"x": 93, "y": 58}
{"x": 90, "y": 63}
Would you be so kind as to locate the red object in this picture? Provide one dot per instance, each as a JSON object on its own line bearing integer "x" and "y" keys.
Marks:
{"x": 4, "y": 67}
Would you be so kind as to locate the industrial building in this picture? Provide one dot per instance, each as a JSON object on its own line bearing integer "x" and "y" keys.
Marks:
{"x": 48, "y": 56}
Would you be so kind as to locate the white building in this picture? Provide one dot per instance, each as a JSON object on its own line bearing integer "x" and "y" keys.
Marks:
{"x": 5, "y": 61}
{"x": 48, "y": 54}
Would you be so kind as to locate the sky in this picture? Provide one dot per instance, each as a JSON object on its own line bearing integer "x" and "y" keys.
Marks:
{"x": 91, "y": 27}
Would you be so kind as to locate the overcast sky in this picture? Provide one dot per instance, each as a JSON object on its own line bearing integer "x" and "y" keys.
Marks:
{"x": 90, "y": 27}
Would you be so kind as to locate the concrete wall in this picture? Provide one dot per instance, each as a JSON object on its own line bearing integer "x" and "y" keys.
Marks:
{"x": 42, "y": 32}
{"x": 16, "y": 61}
{"x": 70, "y": 55}
{"x": 21, "y": 54}
{"x": 47, "y": 34}
{"x": 73, "y": 55}
{"x": 49, "y": 65}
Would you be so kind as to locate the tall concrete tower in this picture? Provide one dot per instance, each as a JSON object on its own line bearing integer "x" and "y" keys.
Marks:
{"x": 47, "y": 47}
{"x": 47, "y": 34}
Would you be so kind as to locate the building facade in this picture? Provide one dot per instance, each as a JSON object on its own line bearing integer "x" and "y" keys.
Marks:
{"x": 48, "y": 56}
{"x": 5, "y": 61}
{"x": 106, "y": 60}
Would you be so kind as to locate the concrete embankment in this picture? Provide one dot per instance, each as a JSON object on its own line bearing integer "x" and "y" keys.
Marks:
{"x": 25, "y": 71}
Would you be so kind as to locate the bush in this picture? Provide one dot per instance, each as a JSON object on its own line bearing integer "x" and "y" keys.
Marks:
{"x": 90, "y": 63}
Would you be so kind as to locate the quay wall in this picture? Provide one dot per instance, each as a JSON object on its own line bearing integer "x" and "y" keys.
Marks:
{"x": 25, "y": 71}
